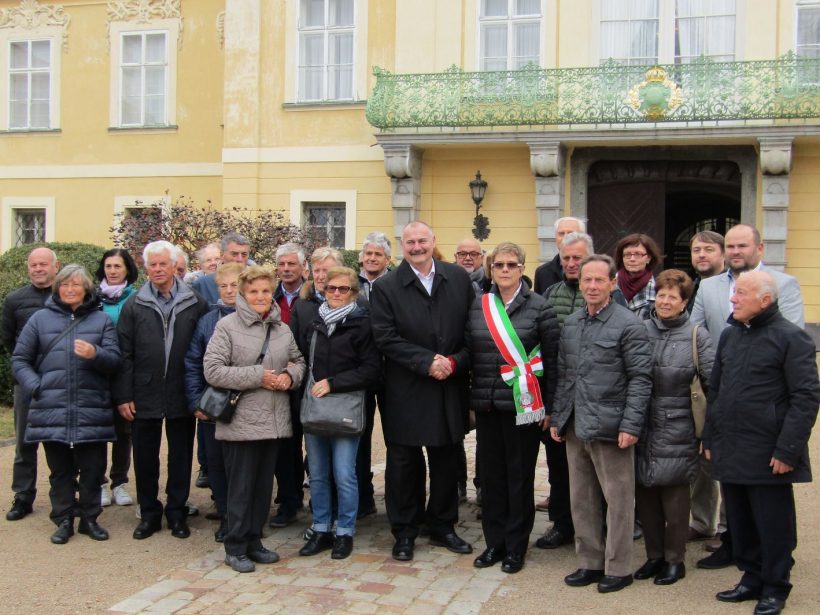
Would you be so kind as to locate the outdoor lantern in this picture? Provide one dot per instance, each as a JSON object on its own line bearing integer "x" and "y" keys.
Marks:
{"x": 477, "y": 189}
{"x": 481, "y": 224}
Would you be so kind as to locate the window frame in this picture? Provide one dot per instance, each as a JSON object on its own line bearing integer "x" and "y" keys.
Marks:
{"x": 298, "y": 199}
{"x": 12, "y": 204}
{"x": 510, "y": 20}
{"x": 143, "y": 65}
{"x": 326, "y": 32}
{"x": 798, "y": 7}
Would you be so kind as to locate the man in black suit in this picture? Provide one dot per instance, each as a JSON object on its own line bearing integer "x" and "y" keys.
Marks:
{"x": 551, "y": 272}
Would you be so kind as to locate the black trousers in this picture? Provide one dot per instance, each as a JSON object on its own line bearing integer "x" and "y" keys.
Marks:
{"x": 290, "y": 467}
{"x": 24, "y": 470}
{"x": 364, "y": 475}
{"x": 120, "y": 452}
{"x": 215, "y": 459}
{"x": 250, "y": 466}
{"x": 764, "y": 534}
{"x": 507, "y": 458}
{"x": 146, "y": 435}
{"x": 405, "y": 488}
{"x": 560, "y": 512}
{"x": 86, "y": 462}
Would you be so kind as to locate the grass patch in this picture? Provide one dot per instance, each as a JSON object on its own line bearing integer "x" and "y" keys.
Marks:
{"x": 6, "y": 422}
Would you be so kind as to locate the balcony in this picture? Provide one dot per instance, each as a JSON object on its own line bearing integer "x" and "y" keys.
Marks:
{"x": 787, "y": 88}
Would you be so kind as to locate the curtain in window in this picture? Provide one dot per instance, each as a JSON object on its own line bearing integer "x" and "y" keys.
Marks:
{"x": 705, "y": 27}
{"x": 510, "y": 34}
{"x": 30, "y": 84}
{"x": 629, "y": 31}
{"x": 808, "y": 31}
{"x": 143, "y": 79}
{"x": 326, "y": 49}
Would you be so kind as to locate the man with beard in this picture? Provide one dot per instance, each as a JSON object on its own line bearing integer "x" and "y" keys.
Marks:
{"x": 706, "y": 250}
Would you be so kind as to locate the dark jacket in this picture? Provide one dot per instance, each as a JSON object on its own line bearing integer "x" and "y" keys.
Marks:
{"x": 410, "y": 327}
{"x": 535, "y": 323}
{"x": 113, "y": 307}
{"x": 302, "y": 313}
{"x": 18, "y": 308}
{"x": 763, "y": 399}
{"x": 153, "y": 352}
{"x": 194, "y": 374}
{"x": 70, "y": 402}
{"x": 205, "y": 286}
{"x": 604, "y": 374}
{"x": 565, "y": 298}
{"x": 548, "y": 274}
{"x": 667, "y": 451}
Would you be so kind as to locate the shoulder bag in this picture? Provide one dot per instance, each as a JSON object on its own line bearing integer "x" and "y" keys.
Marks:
{"x": 220, "y": 404}
{"x": 56, "y": 340}
{"x": 696, "y": 390}
{"x": 335, "y": 414}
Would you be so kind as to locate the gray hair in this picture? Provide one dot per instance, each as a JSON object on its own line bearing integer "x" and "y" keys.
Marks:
{"x": 200, "y": 254}
{"x": 581, "y": 222}
{"x": 73, "y": 271}
{"x": 325, "y": 252}
{"x": 157, "y": 247}
{"x": 377, "y": 238}
{"x": 765, "y": 284}
{"x": 575, "y": 237}
{"x": 234, "y": 237}
{"x": 184, "y": 255}
{"x": 291, "y": 248}
{"x": 600, "y": 258}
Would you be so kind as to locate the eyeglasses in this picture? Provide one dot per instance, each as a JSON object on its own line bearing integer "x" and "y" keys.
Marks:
{"x": 500, "y": 266}
{"x": 631, "y": 255}
{"x": 468, "y": 254}
{"x": 332, "y": 290}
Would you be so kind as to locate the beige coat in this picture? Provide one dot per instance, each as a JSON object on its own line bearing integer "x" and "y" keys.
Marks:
{"x": 229, "y": 363}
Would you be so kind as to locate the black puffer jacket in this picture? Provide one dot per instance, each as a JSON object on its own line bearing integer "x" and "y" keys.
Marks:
{"x": 535, "y": 323}
{"x": 18, "y": 308}
{"x": 70, "y": 402}
{"x": 667, "y": 451}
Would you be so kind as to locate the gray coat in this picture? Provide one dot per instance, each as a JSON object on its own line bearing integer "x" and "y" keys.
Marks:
{"x": 667, "y": 451}
{"x": 230, "y": 363}
{"x": 604, "y": 374}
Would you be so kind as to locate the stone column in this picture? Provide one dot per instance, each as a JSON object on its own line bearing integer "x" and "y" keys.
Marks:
{"x": 402, "y": 163}
{"x": 547, "y": 164}
{"x": 775, "y": 164}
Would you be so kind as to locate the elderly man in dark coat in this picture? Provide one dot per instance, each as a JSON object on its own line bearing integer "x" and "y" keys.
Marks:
{"x": 418, "y": 313}
{"x": 763, "y": 401}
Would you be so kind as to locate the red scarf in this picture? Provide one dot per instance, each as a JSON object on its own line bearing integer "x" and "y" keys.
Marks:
{"x": 632, "y": 283}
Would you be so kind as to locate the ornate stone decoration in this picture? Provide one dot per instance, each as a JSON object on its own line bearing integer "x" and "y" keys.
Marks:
{"x": 30, "y": 15}
{"x": 656, "y": 95}
{"x": 220, "y": 29}
{"x": 145, "y": 11}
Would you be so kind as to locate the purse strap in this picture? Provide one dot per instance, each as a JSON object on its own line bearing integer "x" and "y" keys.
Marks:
{"x": 312, "y": 349}
{"x": 695, "y": 350}
{"x": 264, "y": 347}
{"x": 56, "y": 341}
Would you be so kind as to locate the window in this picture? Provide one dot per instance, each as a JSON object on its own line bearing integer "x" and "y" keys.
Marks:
{"x": 26, "y": 220}
{"x": 327, "y": 222}
{"x": 510, "y": 34}
{"x": 808, "y": 30}
{"x": 331, "y": 214}
{"x": 30, "y": 85}
{"x": 29, "y": 226}
{"x": 326, "y": 45}
{"x": 629, "y": 31}
{"x": 143, "y": 79}
{"x": 704, "y": 28}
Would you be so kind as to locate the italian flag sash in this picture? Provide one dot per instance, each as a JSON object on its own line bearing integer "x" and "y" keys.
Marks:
{"x": 522, "y": 370}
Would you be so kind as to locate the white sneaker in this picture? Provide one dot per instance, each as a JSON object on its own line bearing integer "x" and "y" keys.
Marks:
{"x": 121, "y": 497}
{"x": 105, "y": 495}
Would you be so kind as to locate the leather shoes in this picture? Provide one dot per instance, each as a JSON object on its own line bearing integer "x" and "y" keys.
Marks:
{"x": 671, "y": 573}
{"x": 512, "y": 563}
{"x": 342, "y": 547}
{"x": 319, "y": 541}
{"x": 146, "y": 529}
{"x": 18, "y": 510}
{"x": 650, "y": 568}
{"x": 64, "y": 531}
{"x": 489, "y": 557}
{"x": 553, "y": 539}
{"x": 769, "y": 606}
{"x": 403, "y": 549}
{"x": 240, "y": 563}
{"x": 180, "y": 529}
{"x": 93, "y": 530}
{"x": 739, "y": 593}
{"x": 613, "y": 584}
{"x": 722, "y": 558}
{"x": 452, "y": 542}
{"x": 281, "y": 519}
{"x": 219, "y": 534}
{"x": 263, "y": 556}
{"x": 583, "y": 577}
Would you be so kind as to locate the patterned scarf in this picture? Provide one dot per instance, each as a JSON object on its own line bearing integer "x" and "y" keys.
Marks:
{"x": 334, "y": 316}
{"x": 632, "y": 283}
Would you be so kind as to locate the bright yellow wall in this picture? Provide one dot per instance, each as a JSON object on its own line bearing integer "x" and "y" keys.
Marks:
{"x": 803, "y": 246}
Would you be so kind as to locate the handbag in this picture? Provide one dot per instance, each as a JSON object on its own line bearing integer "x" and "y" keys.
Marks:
{"x": 335, "y": 414}
{"x": 220, "y": 404}
{"x": 696, "y": 390}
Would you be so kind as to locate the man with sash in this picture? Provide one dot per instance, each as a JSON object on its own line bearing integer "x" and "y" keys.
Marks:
{"x": 604, "y": 386}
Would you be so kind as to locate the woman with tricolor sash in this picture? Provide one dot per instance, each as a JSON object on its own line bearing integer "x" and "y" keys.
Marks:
{"x": 512, "y": 335}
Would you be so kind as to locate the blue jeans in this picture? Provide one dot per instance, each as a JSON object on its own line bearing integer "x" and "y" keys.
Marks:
{"x": 337, "y": 455}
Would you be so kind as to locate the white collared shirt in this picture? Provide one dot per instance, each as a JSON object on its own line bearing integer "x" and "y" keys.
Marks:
{"x": 426, "y": 280}
{"x": 517, "y": 291}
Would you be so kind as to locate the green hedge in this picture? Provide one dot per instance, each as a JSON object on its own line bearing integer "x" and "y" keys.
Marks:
{"x": 14, "y": 274}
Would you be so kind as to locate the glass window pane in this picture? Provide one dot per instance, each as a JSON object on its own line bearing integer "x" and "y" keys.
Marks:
{"x": 644, "y": 40}
{"x": 19, "y": 86}
{"x": 41, "y": 54}
{"x": 340, "y": 13}
{"x": 494, "y": 42}
{"x": 720, "y": 37}
{"x": 18, "y": 114}
{"x": 40, "y": 86}
{"x": 614, "y": 9}
{"x": 341, "y": 48}
{"x": 155, "y": 48}
{"x": 527, "y": 7}
{"x": 132, "y": 49}
{"x": 808, "y": 26}
{"x": 40, "y": 114}
{"x": 494, "y": 8}
{"x": 131, "y": 82}
{"x": 312, "y": 50}
{"x": 527, "y": 41}
{"x": 154, "y": 80}
{"x": 154, "y": 110}
{"x": 312, "y": 14}
{"x": 131, "y": 111}
{"x": 310, "y": 83}
{"x": 340, "y": 83}
{"x": 19, "y": 55}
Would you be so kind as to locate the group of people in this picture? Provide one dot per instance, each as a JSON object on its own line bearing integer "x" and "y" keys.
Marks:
{"x": 596, "y": 359}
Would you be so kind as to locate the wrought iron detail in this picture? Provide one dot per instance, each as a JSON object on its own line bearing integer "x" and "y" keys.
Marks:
{"x": 784, "y": 88}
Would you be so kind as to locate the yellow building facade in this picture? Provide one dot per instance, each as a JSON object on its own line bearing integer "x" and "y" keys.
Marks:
{"x": 274, "y": 104}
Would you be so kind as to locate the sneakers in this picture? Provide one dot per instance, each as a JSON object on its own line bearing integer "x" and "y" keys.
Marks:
{"x": 105, "y": 495}
{"x": 121, "y": 496}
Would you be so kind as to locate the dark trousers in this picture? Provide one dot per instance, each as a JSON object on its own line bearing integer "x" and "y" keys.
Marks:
{"x": 215, "y": 460}
{"x": 146, "y": 437}
{"x": 24, "y": 471}
{"x": 201, "y": 457}
{"x": 664, "y": 513}
{"x": 249, "y": 466}
{"x": 290, "y": 467}
{"x": 364, "y": 475}
{"x": 87, "y": 463}
{"x": 560, "y": 511}
{"x": 120, "y": 452}
{"x": 405, "y": 487}
{"x": 764, "y": 534}
{"x": 507, "y": 458}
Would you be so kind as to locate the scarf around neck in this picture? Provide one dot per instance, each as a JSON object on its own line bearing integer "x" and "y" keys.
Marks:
{"x": 632, "y": 283}
{"x": 332, "y": 317}
{"x": 112, "y": 291}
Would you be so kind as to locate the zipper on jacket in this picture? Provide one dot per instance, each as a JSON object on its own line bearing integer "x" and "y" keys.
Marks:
{"x": 72, "y": 428}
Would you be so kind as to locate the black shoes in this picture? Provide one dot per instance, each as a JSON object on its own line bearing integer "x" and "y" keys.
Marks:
{"x": 403, "y": 549}
{"x": 722, "y": 558}
{"x": 93, "y": 530}
{"x": 202, "y": 480}
{"x": 342, "y": 547}
{"x": 462, "y": 492}
{"x": 240, "y": 563}
{"x": 18, "y": 510}
{"x": 739, "y": 593}
{"x": 769, "y": 606}
{"x": 452, "y": 542}
{"x": 219, "y": 535}
{"x": 583, "y": 577}
{"x": 611, "y": 583}
{"x": 263, "y": 556}
{"x": 489, "y": 557}
{"x": 64, "y": 531}
{"x": 671, "y": 573}
{"x": 554, "y": 538}
{"x": 364, "y": 511}
{"x": 282, "y": 519}
{"x": 512, "y": 563}
{"x": 180, "y": 529}
{"x": 146, "y": 529}
{"x": 318, "y": 542}
{"x": 650, "y": 568}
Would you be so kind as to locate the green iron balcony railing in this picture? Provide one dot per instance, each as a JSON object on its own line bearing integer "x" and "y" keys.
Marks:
{"x": 702, "y": 91}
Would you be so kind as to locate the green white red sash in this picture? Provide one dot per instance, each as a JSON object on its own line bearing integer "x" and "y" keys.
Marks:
{"x": 522, "y": 370}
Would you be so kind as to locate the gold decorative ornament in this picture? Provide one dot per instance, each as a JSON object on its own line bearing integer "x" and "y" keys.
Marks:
{"x": 656, "y": 96}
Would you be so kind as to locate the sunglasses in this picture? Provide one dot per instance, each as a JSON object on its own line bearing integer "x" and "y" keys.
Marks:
{"x": 332, "y": 290}
{"x": 500, "y": 266}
